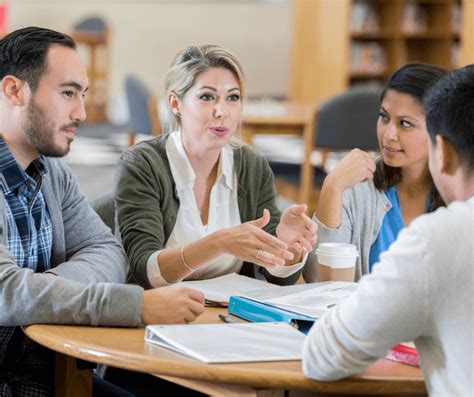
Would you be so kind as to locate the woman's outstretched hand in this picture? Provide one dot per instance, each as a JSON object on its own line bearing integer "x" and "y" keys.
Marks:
{"x": 297, "y": 229}
{"x": 252, "y": 244}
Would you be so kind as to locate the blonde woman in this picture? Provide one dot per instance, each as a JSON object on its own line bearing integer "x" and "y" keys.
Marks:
{"x": 193, "y": 205}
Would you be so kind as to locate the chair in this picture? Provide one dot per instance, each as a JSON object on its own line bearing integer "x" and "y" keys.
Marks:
{"x": 104, "y": 206}
{"x": 344, "y": 122}
{"x": 143, "y": 109}
{"x": 93, "y": 34}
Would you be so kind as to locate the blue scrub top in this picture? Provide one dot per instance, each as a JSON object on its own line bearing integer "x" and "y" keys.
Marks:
{"x": 392, "y": 223}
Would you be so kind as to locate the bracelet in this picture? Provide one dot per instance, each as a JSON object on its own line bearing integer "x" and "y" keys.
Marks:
{"x": 184, "y": 262}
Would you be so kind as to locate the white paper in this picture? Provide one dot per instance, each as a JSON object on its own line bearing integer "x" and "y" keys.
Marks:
{"x": 220, "y": 289}
{"x": 227, "y": 343}
{"x": 312, "y": 300}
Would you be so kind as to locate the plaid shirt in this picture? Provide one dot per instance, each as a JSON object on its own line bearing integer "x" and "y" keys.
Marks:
{"x": 25, "y": 367}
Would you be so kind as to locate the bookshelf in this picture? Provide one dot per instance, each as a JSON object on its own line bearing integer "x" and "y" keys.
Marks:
{"x": 92, "y": 37}
{"x": 338, "y": 43}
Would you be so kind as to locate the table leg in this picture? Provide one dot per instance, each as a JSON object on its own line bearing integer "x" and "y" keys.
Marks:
{"x": 69, "y": 380}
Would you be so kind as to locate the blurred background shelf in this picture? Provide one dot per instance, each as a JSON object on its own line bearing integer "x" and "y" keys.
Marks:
{"x": 339, "y": 43}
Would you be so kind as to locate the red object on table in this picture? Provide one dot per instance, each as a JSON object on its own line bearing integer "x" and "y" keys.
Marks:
{"x": 404, "y": 353}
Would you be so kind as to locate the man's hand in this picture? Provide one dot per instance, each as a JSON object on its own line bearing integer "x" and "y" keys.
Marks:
{"x": 172, "y": 305}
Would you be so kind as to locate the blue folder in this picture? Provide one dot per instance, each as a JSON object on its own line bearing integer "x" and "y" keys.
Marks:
{"x": 256, "y": 311}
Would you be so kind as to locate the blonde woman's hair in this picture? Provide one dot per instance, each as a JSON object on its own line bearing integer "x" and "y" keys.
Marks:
{"x": 193, "y": 60}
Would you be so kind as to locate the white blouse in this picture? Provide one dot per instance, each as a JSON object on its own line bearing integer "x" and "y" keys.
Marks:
{"x": 223, "y": 213}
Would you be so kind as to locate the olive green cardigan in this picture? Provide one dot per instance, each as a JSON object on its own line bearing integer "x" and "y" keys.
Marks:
{"x": 147, "y": 203}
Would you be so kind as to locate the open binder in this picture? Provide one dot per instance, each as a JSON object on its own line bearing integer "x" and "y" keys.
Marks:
{"x": 254, "y": 311}
{"x": 298, "y": 305}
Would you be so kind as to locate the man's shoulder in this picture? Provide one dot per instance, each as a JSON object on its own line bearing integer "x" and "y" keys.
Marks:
{"x": 451, "y": 224}
{"x": 58, "y": 169}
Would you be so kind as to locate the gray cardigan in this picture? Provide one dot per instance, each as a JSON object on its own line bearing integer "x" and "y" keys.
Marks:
{"x": 85, "y": 256}
{"x": 364, "y": 208}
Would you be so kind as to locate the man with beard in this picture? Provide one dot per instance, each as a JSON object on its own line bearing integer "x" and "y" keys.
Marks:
{"x": 58, "y": 262}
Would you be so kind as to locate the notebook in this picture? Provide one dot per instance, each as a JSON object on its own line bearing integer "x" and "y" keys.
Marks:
{"x": 255, "y": 311}
{"x": 230, "y": 343}
{"x": 312, "y": 300}
{"x": 299, "y": 307}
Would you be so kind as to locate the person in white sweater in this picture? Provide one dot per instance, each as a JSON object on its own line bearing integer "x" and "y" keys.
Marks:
{"x": 422, "y": 288}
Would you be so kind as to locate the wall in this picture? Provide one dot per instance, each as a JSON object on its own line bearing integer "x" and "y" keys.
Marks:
{"x": 147, "y": 34}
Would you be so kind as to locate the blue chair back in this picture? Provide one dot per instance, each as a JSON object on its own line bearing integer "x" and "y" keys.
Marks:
{"x": 92, "y": 24}
{"x": 138, "y": 96}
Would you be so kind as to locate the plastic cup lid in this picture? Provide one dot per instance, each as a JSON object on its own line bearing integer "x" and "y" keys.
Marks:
{"x": 337, "y": 249}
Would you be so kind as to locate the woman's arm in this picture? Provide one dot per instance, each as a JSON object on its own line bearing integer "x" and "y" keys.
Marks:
{"x": 244, "y": 241}
{"x": 147, "y": 209}
{"x": 355, "y": 168}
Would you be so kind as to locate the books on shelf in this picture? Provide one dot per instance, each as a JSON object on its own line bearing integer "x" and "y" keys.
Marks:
{"x": 227, "y": 343}
{"x": 405, "y": 353}
{"x": 455, "y": 55}
{"x": 367, "y": 58}
{"x": 364, "y": 18}
{"x": 456, "y": 18}
{"x": 414, "y": 18}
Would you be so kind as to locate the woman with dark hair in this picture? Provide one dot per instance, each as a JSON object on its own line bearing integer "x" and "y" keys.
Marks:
{"x": 366, "y": 202}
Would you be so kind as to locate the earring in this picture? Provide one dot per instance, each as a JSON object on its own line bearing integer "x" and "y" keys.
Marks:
{"x": 177, "y": 113}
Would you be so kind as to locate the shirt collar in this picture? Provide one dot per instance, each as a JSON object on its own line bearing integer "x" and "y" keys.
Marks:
{"x": 225, "y": 171}
{"x": 182, "y": 170}
{"x": 12, "y": 175}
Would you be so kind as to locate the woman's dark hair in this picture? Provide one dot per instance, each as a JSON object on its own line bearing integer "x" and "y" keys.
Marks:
{"x": 413, "y": 79}
{"x": 23, "y": 53}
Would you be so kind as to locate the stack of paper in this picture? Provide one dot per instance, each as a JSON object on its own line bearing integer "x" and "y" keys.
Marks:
{"x": 307, "y": 299}
{"x": 227, "y": 343}
{"x": 218, "y": 291}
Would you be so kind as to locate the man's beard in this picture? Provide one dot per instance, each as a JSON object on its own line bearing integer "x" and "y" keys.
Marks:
{"x": 40, "y": 131}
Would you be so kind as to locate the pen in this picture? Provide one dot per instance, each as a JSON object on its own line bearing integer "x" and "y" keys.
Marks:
{"x": 226, "y": 319}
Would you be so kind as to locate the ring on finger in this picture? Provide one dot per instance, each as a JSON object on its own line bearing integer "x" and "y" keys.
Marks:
{"x": 259, "y": 252}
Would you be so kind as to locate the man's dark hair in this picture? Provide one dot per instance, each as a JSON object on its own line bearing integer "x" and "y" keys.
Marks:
{"x": 413, "y": 79}
{"x": 449, "y": 107}
{"x": 23, "y": 53}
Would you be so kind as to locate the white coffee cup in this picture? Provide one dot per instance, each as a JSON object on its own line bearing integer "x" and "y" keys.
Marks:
{"x": 336, "y": 261}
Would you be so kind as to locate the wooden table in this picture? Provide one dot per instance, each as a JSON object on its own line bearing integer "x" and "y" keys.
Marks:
{"x": 285, "y": 118}
{"x": 125, "y": 348}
